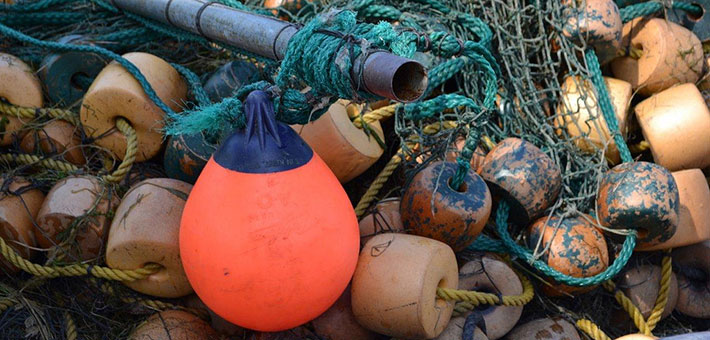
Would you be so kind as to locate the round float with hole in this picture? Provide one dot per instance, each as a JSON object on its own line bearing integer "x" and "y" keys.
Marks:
{"x": 116, "y": 94}
{"x": 692, "y": 267}
{"x": 641, "y": 284}
{"x": 173, "y": 325}
{"x": 395, "y": 283}
{"x": 595, "y": 23}
{"x": 385, "y": 218}
{"x": 432, "y": 208}
{"x": 339, "y": 323}
{"x": 145, "y": 231}
{"x": 56, "y": 138}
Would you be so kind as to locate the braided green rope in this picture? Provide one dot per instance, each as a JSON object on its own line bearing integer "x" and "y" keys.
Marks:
{"x": 34, "y": 6}
{"x": 643, "y": 9}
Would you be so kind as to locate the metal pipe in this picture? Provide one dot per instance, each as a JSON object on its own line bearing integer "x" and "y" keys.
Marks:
{"x": 383, "y": 73}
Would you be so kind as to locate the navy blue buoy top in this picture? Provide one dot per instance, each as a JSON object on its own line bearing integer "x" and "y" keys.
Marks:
{"x": 265, "y": 145}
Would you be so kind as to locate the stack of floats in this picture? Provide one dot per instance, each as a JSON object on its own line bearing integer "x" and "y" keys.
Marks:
{"x": 409, "y": 243}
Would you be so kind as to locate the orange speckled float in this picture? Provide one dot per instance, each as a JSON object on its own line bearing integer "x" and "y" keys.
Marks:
{"x": 431, "y": 208}
{"x": 77, "y": 202}
{"x": 692, "y": 267}
{"x": 174, "y": 325}
{"x": 385, "y": 218}
{"x": 115, "y": 93}
{"x": 19, "y": 86}
{"x": 641, "y": 196}
{"x": 347, "y": 150}
{"x": 544, "y": 329}
{"x": 574, "y": 247}
{"x": 489, "y": 273}
{"x": 671, "y": 55}
{"x": 518, "y": 171}
{"x": 55, "y": 138}
{"x": 693, "y": 211}
{"x": 394, "y": 286}
{"x": 145, "y": 230}
{"x": 19, "y": 204}
{"x": 675, "y": 123}
{"x": 641, "y": 285}
{"x": 595, "y": 22}
{"x": 581, "y": 116}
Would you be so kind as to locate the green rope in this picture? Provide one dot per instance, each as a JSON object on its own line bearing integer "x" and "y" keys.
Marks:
{"x": 195, "y": 85}
{"x": 643, "y": 9}
{"x": 34, "y": 6}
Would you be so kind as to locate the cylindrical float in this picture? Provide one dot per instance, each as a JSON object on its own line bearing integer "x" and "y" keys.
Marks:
{"x": 395, "y": 283}
{"x": 83, "y": 203}
{"x": 21, "y": 87}
{"x": 145, "y": 231}
{"x": 384, "y": 218}
{"x": 641, "y": 284}
{"x": 116, "y": 94}
{"x": 56, "y": 138}
{"x": 692, "y": 267}
{"x": 596, "y": 23}
{"x": 19, "y": 204}
{"x": 174, "y": 325}
{"x": 671, "y": 54}
{"x": 347, "y": 149}
{"x": 545, "y": 329}
{"x": 339, "y": 323}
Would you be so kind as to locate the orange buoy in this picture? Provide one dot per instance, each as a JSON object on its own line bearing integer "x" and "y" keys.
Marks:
{"x": 269, "y": 239}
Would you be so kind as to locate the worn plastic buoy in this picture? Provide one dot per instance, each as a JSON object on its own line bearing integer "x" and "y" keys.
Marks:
{"x": 693, "y": 211}
{"x": 544, "y": 329}
{"x": 675, "y": 123}
{"x": 641, "y": 285}
{"x": 56, "y": 138}
{"x": 145, "y": 230}
{"x": 339, "y": 323}
{"x": 385, "y": 218}
{"x": 692, "y": 266}
{"x": 671, "y": 55}
{"x": 115, "y": 93}
{"x": 269, "y": 239}
{"x": 488, "y": 273}
{"x": 394, "y": 286}
{"x": 61, "y": 72}
{"x": 572, "y": 246}
{"x": 432, "y": 208}
{"x": 77, "y": 202}
{"x": 597, "y": 23}
{"x": 518, "y": 171}
{"x": 347, "y": 150}
{"x": 580, "y": 115}
{"x": 19, "y": 86}
{"x": 641, "y": 196}
{"x": 186, "y": 156}
{"x": 174, "y": 325}
{"x": 229, "y": 78}
{"x": 19, "y": 204}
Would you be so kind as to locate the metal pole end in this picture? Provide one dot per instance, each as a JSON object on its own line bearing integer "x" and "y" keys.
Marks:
{"x": 394, "y": 77}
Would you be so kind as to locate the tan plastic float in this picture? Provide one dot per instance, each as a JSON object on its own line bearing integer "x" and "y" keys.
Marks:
{"x": 454, "y": 331}
{"x": 17, "y": 214}
{"x": 545, "y": 329}
{"x": 598, "y": 24}
{"x": 384, "y": 219}
{"x": 339, "y": 323}
{"x": 347, "y": 150}
{"x": 641, "y": 284}
{"x": 692, "y": 267}
{"x": 56, "y": 137}
{"x": 489, "y": 273}
{"x": 220, "y": 325}
{"x": 395, "y": 282}
{"x": 637, "y": 337}
{"x": 671, "y": 54}
{"x": 694, "y": 213}
{"x": 675, "y": 123}
{"x": 145, "y": 230}
{"x": 78, "y": 202}
{"x": 115, "y": 93}
{"x": 581, "y": 116}
{"x": 174, "y": 325}
{"x": 19, "y": 86}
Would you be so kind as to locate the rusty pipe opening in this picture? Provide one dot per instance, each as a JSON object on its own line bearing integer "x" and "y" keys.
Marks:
{"x": 394, "y": 77}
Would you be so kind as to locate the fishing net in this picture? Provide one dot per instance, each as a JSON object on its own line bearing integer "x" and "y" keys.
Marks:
{"x": 498, "y": 69}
